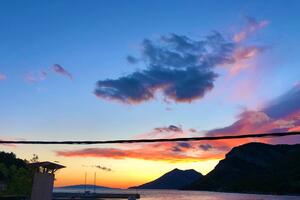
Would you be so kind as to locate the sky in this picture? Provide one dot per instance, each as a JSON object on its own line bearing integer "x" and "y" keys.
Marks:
{"x": 105, "y": 70}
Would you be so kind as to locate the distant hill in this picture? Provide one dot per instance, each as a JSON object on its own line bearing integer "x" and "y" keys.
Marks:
{"x": 255, "y": 168}
{"x": 174, "y": 179}
{"x": 88, "y": 187}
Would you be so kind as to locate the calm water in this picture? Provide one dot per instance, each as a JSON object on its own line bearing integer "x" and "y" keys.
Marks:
{"x": 191, "y": 195}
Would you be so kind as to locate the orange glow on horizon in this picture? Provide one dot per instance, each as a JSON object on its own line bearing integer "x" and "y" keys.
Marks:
{"x": 128, "y": 173}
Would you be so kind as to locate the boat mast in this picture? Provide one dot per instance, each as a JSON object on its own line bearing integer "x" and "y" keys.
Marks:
{"x": 95, "y": 182}
{"x": 85, "y": 182}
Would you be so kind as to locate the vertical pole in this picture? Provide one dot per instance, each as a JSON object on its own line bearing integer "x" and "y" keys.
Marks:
{"x": 85, "y": 182}
{"x": 95, "y": 182}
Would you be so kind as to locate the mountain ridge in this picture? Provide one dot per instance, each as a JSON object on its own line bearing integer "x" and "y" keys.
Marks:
{"x": 255, "y": 168}
{"x": 174, "y": 179}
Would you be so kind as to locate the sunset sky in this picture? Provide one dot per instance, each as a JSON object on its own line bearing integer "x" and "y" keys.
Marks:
{"x": 105, "y": 70}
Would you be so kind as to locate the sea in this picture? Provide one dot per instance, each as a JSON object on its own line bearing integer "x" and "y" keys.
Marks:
{"x": 187, "y": 195}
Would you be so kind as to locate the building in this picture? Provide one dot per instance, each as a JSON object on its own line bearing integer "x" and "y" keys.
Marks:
{"x": 43, "y": 180}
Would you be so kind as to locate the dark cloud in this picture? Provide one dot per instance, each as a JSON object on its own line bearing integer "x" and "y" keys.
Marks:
{"x": 193, "y": 130}
{"x": 176, "y": 149}
{"x": 107, "y": 169}
{"x": 181, "y": 146}
{"x": 184, "y": 144}
{"x": 177, "y": 66}
{"x": 132, "y": 60}
{"x": 285, "y": 104}
{"x": 103, "y": 168}
{"x": 205, "y": 147}
{"x": 170, "y": 128}
{"x": 176, "y": 84}
{"x": 60, "y": 70}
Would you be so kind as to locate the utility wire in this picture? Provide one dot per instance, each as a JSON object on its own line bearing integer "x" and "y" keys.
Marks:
{"x": 223, "y": 137}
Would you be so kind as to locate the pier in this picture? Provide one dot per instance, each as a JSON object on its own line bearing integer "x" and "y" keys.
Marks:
{"x": 66, "y": 196}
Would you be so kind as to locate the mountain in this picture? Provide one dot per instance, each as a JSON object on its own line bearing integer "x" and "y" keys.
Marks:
{"x": 174, "y": 179}
{"x": 88, "y": 187}
{"x": 255, "y": 168}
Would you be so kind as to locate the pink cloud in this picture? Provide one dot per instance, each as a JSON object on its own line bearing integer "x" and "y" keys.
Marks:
{"x": 170, "y": 131}
{"x": 34, "y": 77}
{"x": 2, "y": 77}
{"x": 251, "y": 27}
{"x": 242, "y": 56}
{"x": 244, "y": 53}
{"x": 280, "y": 115}
{"x": 167, "y": 152}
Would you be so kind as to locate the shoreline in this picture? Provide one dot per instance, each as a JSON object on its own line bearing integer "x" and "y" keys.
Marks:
{"x": 180, "y": 190}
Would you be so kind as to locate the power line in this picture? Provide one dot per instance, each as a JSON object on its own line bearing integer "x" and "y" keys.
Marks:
{"x": 183, "y": 139}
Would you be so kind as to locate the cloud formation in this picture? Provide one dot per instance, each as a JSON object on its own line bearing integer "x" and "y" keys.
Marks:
{"x": 34, "y": 77}
{"x": 252, "y": 25}
{"x": 285, "y": 105}
{"x": 101, "y": 167}
{"x": 205, "y": 147}
{"x": 171, "y": 128}
{"x": 178, "y": 85}
{"x": 179, "y": 67}
{"x": 60, "y": 70}
{"x": 132, "y": 60}
{"x": 43, "y": 74}
{"x": 280, "y": 115}
{"x": 166, "y": 152}
{"x": 170, "y": 131}
{"x": 2, "y": 77}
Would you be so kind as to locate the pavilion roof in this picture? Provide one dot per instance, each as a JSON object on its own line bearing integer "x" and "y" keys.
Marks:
{"x": 48, "y": 165}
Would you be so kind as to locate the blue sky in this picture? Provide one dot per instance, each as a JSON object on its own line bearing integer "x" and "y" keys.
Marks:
{"x": 92, "y": 39}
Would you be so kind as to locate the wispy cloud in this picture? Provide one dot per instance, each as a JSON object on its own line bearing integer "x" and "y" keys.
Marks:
{"x": 179, "y": 67}
{"x": 167, "y": 152}
{"x": 280, "y": 115}
{"x": 43, "y": 74}
{"x": 2, "y": 77}
{"x": 205, "y": 147}
{"x": 62, "y": 71}
{"x": 101, "y": 167}
{"x": 242, "y": 55}
{"x": 252, "y": 25}
{"x": 34, "y": 77}
{"x": 170, "y": 131}
{"x": 132, "y": 60}
{"x": 171, "y": 128}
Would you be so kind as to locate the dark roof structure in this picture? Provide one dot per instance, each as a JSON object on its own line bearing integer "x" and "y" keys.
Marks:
{"x": 47, "y": 167}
